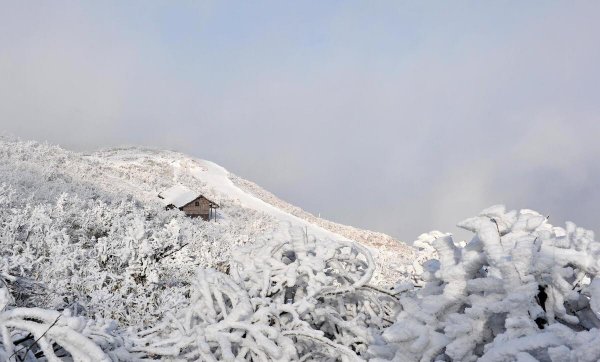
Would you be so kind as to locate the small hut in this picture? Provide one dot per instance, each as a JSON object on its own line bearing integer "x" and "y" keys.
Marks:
{"x": 190, "y": 202}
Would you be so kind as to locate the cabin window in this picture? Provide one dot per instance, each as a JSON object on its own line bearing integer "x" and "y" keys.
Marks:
{"x": 197, "y": 203}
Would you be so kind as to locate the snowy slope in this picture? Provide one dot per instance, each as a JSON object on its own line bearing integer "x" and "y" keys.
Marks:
{"x": 144, "y": 173}
{"x": 217, "y": 183}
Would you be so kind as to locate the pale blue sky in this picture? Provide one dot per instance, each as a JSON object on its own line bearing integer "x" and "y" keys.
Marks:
{"x": 422, "y": 113}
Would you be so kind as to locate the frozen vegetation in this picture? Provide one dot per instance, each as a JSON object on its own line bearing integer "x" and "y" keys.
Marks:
{"x": 93, "y": 268}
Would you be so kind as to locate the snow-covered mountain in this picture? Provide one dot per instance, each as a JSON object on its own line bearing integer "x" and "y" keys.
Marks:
{"x": 40, "y": 175}
{"x": 141, "y": 174}
{"x": 94, "y": 268}
{"x": 214, "y": 181}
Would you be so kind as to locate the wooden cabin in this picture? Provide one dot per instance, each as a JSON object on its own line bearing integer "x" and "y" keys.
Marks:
{"x": 190, "y": 202}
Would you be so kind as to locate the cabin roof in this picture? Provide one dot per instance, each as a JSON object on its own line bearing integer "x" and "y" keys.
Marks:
{"x": 178, "y": 196}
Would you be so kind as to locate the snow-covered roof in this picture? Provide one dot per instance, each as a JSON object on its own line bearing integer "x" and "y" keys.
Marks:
{"x": 178, "y": 196}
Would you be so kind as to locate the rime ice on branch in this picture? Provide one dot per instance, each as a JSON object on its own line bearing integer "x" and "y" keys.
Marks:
{"x": 520, "y": 290}
{"x": 283, "y": 301}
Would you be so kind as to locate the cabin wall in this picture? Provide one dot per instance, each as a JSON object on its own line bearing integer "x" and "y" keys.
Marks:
{"x": 202, "y": 209}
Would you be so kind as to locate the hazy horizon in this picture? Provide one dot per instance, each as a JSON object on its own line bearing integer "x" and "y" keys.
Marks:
{"x": 392, "y": 116}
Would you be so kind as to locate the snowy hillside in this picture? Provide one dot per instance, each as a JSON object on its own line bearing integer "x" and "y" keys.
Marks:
{"x": 142, "y": 174}
{"x": 217, "y": 183}
{"x": 93, "y": 268}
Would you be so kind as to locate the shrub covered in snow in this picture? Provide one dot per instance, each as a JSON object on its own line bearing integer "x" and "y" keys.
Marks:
{"x": 520, "y": 290}
{"x": 36, "y": 334}
{"x": 282, "y": 301}
{"x": 111, "y": 258}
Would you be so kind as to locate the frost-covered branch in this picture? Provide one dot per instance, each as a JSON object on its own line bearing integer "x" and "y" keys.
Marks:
{"x": 521, "y": 289}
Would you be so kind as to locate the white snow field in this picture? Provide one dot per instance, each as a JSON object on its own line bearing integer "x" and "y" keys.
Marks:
{"x": 93, "y": 268}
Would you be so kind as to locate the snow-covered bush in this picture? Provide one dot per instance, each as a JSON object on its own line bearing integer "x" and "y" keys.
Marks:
{"x": 283, "y": 301}
{"x": 327, "y": 283}
{"x": 520, "y": 290}
{"x": 36, "y": 334}
{"x": 113, "y": 258}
